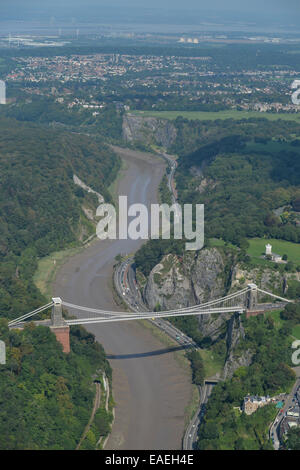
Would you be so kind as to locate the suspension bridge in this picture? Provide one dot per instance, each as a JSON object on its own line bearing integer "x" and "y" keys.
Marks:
{"x": 245, "y": 300}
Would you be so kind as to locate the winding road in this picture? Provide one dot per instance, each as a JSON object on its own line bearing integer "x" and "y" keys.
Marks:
{"x": 150, "y": 389}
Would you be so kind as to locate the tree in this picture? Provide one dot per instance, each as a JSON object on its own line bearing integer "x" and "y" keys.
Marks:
{"x": 291, "y": 312}
{"x": 293, "y": 439}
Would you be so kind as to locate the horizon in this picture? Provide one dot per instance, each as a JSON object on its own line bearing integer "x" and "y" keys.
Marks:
{"x": 133, "y": 12}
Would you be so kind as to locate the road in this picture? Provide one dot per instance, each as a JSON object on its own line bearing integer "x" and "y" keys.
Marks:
{"x": 125, "y": 282}
{"x": 191, "y": 434}
{"x": 126, "y": 285}
{"x": 274, "y": 429}
{"x": 107, "y": 396}
{"x": 151, "y": 391}
{"x": 172, "y": 168}
{"x": 97, "y": 400}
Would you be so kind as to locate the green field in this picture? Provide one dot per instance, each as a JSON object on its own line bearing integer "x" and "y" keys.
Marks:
{"x": 213, "y": 116}
{"x": 216, "y": 242}
{"x": 47, "y": 268}
{"x": 296, "y": 331}
{"x": 276, "y": 317}
{"x": 281, "y": 247}
{"x": 271, "y": 147}
{"x": 212, "y": 363}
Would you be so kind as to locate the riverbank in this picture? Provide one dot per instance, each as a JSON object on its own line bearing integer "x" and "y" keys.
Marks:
{"x": 47, "y": 268}
{"x": 151, "y": 391}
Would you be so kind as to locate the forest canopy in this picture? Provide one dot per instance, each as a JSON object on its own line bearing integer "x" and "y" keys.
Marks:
{"x": 40, "y": 206}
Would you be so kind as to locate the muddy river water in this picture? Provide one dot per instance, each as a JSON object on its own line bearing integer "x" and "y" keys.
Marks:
{"x": 150, "y": 388}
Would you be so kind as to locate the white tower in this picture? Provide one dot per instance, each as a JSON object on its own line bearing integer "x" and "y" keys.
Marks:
{"x": 2, "y": 92}
{"x": 268, "y": 249}
{"x": 2, "y": 353}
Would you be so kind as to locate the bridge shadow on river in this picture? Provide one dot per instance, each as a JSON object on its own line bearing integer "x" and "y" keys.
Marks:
{"x": 158, "y": 352}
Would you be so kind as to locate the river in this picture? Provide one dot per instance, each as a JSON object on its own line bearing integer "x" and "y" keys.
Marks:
{"x": 150, "y": 388}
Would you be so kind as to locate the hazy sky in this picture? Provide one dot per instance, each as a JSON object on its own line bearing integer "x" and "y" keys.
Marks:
{"x": 241, "y": 5}
{"x": 285, "y": 9}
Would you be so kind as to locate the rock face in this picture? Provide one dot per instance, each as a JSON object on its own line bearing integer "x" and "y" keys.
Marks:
{"x": 202, "y": 276}
{"x": 148, "y": 130}
{"x": 264, "y": 278}
{"x": 181, "y": 282}
{"x": 235, "y": 333}
{"x": 206, "y": 275}
{"x": 196, "y": 278}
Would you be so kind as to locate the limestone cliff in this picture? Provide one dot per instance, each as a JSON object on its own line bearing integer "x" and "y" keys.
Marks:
{"x": 235, "y": 333}
{"x": 198, "y": 277}
{"x": 148, "y": 130}
{"x": 181, "y": 282}
{"x": 267, "y": 279}
{"x": 194, "y": 279}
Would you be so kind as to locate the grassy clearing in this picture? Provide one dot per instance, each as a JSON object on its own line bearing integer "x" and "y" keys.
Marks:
{"x": 213, "y": 116}
{"x": 217, "y": 242}
{"x": 48, "y": 266}
{"x": 279, "y": 323}
{"x": 212, "y": 363}
{"x": 296, "y": 331}
{"x": 271, "y": 147}
{"x": 275, "y": 315}
{"x": 281, "y": 247}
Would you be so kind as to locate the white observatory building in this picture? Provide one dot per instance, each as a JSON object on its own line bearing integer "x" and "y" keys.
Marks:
{"x": 2, "y": 92}
{"x": 268, "y": 249}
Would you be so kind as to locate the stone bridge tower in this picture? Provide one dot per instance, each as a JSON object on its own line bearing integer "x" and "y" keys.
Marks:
{"x": 252, "y": 297}
{"x": 59, "y": 326}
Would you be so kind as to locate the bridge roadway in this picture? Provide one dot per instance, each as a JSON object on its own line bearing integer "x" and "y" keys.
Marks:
{"x": 150, "y": 390}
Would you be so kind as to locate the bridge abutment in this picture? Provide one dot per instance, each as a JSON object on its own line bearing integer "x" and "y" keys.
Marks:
{"x": 62, "y": 334}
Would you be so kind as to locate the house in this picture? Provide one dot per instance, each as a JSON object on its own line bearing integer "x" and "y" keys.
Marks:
{"x": 252, "y": 403}
{"x": 291, "y": 420}
{"x": 294, "y": 412}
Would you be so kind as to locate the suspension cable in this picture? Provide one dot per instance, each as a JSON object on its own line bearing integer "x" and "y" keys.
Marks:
{"x": 275, "y": 296}
{"x": 83, "y": 321}
{"x": 192, "y": 308}
{"x": 30, "y": 314}
{"x": 114, "y": 316}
